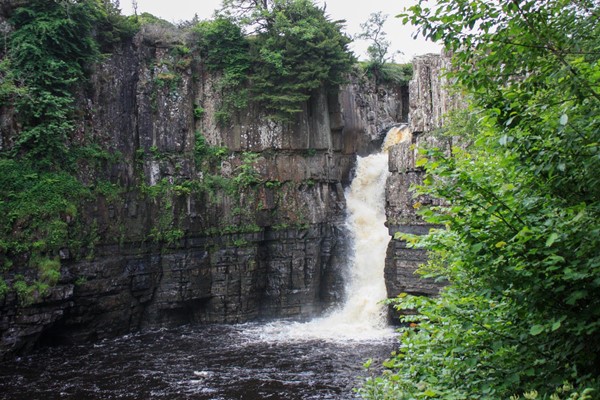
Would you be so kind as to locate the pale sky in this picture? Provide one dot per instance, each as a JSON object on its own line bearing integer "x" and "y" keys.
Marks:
{"x": 353, "y": 11}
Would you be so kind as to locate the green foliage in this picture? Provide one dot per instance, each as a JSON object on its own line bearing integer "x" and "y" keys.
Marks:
{"x": 246, "y": 173}
{"x": 380, "y": 64}
{"x": 294, "y": 50}
{"x": 207, "y": 157}
{"x": 280, "y": 227}
{"x": 300, "y": 51}
{"x": 49, "y": 270}
{"x": 8, "y": 85}
{"x": 36, "y": 207}
{"x": 49, "y": 48}
{"x": 110, "y": 191}
{"x": 398, "y": 74}
{"x": 273, "y": 184}
{"x": 168, "y": 80}
{"x": 113, "y": 28}
{"x": 3, "y": 288}
{"x": 146, "y": 18}
{"x": 39, "y": 215}
{"x": 25, "y": 293}
{"x": 48, "y": 53}
{"x": 80, "y": 281}
{"x": 198, "y": 112}
{"x": 240, "y": 242}
{"x": 168, "y": 235}
{"x": 520, "y": 210}
{"x": 225, "y": 49}
{"x": 223, "y": 46}
{"x": 48, "y": 274}
{"x": 165, "y": 227}
{"x": 566, "y": 391}
{"x": 372, "y": 30}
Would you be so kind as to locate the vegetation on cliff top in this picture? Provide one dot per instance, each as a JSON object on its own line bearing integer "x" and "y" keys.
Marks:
{"x": 521, "y": 210}
{"x": 276, "y": 53}
{"x": 380, "y": 64}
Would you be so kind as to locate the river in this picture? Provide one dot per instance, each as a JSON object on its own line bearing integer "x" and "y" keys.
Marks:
{"x": 194, "y": 362}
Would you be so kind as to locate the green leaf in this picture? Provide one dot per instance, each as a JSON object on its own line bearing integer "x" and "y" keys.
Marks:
{"x": 564, "y": 119}
{"x": 576, "y": 296}
{"x": 536, "y": 330}
{"x": 522, "y": 260}
{"x": 551, "y": 239}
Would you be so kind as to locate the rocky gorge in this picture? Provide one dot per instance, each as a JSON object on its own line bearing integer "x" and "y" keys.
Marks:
{"x": 213, "y": 222}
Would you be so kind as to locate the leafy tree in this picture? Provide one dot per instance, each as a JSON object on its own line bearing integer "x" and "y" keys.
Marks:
{"x": 52, "y": 44}
{"x": 295, "y": 51}
{"x": 372, "y": 30}
{"x": 223, "y": 45}
{"x": 49, "y": 49}
{"x": 225, "y": 49}
{"x": 254, "y": 15}
{"x": 300, "y": 52}
{"x": 521, "y": 208}
{"x": 111, "y": 27}
{"x": 381, "y": 63}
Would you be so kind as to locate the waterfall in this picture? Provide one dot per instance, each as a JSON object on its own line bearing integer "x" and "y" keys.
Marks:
{"x": 361, "y": 316}
{"x": 365, "y": 199}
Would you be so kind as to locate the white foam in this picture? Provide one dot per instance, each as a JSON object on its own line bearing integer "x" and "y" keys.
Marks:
{"x": 362, "y": 315}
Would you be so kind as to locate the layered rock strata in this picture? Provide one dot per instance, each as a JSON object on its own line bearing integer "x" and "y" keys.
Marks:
{"x": 429, "y": 102}
{"x": 165, "y": 252}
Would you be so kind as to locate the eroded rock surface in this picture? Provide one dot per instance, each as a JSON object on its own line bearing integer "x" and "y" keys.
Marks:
{"x": 165, "y": 254}
{"x": 429, "y": 101}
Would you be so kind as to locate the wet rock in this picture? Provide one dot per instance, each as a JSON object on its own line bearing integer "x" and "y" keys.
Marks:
{"x": 275, "y": 248}
{"x": 429, "y": 101}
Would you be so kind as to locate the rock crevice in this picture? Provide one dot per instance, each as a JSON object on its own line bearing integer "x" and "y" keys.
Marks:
{"x": 429, "y": 102}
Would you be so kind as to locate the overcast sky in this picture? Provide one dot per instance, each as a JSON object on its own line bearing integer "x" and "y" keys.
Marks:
{"x": 353, "y": 11}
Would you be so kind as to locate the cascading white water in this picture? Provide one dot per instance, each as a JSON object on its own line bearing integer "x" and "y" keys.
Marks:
{"x": 362, "y": 316}
{"x": 365, "y": 289}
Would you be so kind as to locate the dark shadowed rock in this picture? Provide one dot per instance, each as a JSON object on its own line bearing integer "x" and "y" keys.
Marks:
{"x": 276, "y": 248}
{"x": 429, "y": 101}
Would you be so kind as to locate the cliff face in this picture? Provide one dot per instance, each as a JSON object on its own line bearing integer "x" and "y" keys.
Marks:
{"x": 429, "y": 101}
{"x": 165, "y": 252}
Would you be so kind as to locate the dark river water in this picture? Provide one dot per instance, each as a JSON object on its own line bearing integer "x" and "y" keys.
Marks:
{"x": 247, "y": 362}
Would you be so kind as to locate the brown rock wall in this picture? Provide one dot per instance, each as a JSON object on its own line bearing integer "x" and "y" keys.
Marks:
{"x": 429, "y": 101}
{"x": 275, "y": 248}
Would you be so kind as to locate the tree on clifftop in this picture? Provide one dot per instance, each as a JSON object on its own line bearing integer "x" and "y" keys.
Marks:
{"x": 521, "y": 211}
{"x": 381, "y": 63}
{"x": 296, "y": 49}
{"x": 372, "y": 30}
